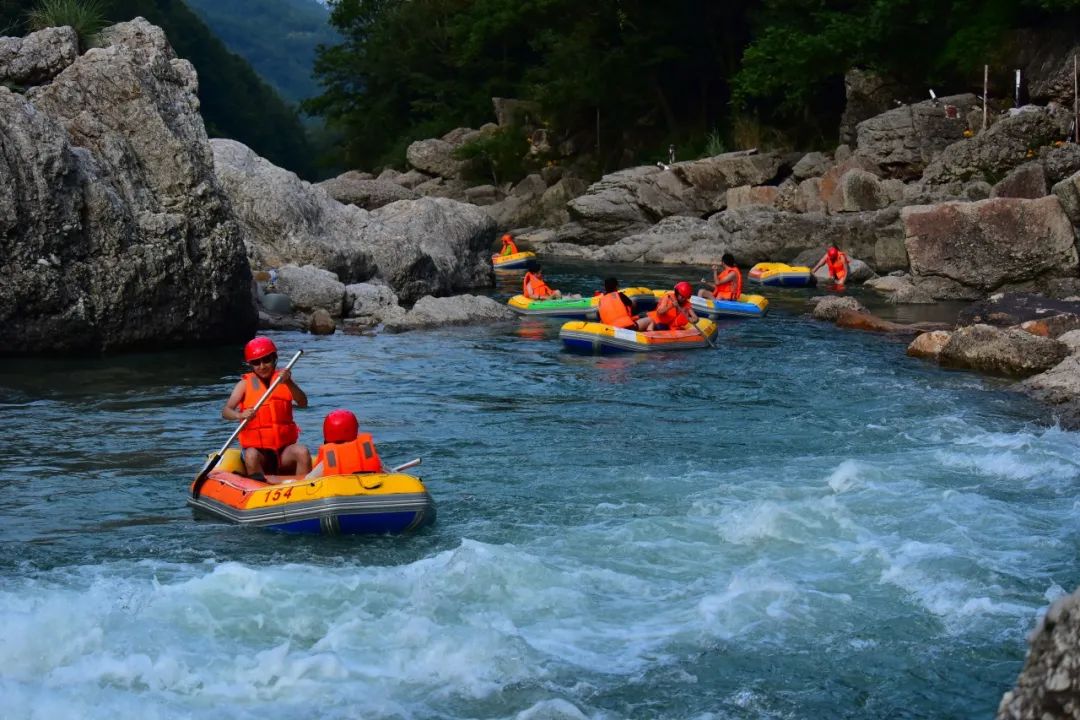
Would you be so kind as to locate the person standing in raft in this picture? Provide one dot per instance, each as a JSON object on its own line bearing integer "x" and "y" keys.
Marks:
{"x": 269, "y": 440}
{"x": 615, "y": 308}
{"x": 838, "y": 265}
{"x": 345, "y": 450}
{"x": 508, "y": 245}
{"x": 673, "y": 312}
{"x": 534, "y": 288}
{"x": 727, "y": 282}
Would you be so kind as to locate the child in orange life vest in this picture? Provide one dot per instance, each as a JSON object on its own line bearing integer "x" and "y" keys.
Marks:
{"x": 615, "y": 308}
{"x": 345, "y": 450}
{"x": 508, "y": 245}
{"x": 673, "y": 312}
{"x": 837, "y": 262}
{"x": 727, "y": 283}
{"x": 534, "y": 288}
{"x": 269, "y": 440}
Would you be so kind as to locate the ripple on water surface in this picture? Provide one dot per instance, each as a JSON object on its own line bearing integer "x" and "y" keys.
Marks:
{"x": 801, "y": 524}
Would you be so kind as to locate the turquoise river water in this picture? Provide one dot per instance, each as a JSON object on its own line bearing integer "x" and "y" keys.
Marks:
{"x": 803, "y": 523}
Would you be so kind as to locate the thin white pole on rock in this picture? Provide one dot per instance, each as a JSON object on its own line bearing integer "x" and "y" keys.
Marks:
{"x": 986, "y": 81}
{"x": 1076, "y": 107}
{"x": 1017, "y": 87}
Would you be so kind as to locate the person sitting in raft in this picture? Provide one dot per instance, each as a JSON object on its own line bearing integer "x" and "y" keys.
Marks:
{"x": 508, "y": 245}
{"x": 345, "y": 450}
{"x": 615, "y": 308}
{"x": 727, "y": 281}
{"x": 269, "y": 439}
{"x": 534, "y": 288}
{"x": 673, "y": 312}
{"x": 838, "y": 265}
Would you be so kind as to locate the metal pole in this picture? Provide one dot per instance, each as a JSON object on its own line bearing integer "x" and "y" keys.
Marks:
{"x": 986, "y": 82}
{"x": 1017, "y": 102}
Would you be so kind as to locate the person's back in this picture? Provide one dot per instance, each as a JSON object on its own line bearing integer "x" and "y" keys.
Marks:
{"x": 614, "y": 307}
{"x": 345, "y": 450}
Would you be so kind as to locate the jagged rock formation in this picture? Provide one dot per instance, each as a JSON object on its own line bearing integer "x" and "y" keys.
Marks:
{"x": 114, "y": 232}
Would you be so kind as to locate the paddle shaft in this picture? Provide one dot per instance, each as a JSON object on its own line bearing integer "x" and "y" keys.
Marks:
{"x": 406, "y": 466}
{"x": 213, "y": 459}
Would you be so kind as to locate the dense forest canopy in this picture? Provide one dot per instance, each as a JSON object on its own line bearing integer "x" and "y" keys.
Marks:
{"x": 236, "y": 103}
{"x": 632, "y": 76}
{"x": 278, "y": 38}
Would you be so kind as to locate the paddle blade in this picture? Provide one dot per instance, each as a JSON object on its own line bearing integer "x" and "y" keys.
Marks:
{"x": 204, "y": 473}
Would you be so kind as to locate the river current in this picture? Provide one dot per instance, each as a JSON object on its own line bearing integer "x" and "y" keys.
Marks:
{"x": 802, "y": 523}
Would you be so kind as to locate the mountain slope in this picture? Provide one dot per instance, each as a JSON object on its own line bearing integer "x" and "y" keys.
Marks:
{"x": 277, "y": 37}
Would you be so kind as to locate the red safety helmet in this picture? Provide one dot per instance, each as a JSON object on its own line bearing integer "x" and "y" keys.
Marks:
{"x": 833, "y": 252}
{"x": 340, "y": 426}
{"x": 259, "y": 347}
{"x": 507, "y": 238}
{"x": 683, "y": 288}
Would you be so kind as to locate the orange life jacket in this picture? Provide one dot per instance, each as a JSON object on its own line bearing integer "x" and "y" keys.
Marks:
{"x": 836, "y": 267}
{"x": 613, "y": 311}
{"x": 273, "y": 427}
{"x": 534, "y": 287}
{"x": 731, "y": 287}
{"x": 509, "y": 248}
{"x": 349, "y": 458}
{"x": 668, "y": 313}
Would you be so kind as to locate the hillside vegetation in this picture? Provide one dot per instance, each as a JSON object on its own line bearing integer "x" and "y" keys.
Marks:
{"x": 277, "y": 37}
{"x": 625, "y": 78}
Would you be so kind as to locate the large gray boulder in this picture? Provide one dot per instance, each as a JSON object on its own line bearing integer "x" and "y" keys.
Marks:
{"x": 114, "y": 233}
{"x": 310, "y": 288}
{"x": 38, "y": 57}
{"x": 352, "y": 188}
{"x": 633, "y": 200}
{"x": 990, "y": 243}
{"x": 904, "y": 140}
{"x": 1067, "y": 192}
{"x": 990, "y": 155}
{"x": 289, "y": 221}
{"x": 867, "y": 95}
{"x": 1048, "y": 687}
{"x": 431, "y": 312}
{"x": 435, "y": 157}
{"x": 420, "y": 247}
{"x": 1026, "y": 181}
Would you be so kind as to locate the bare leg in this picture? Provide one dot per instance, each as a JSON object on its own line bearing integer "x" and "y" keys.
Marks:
{"x": 253, "y": 461}
{"x": 705, "y": 294}
{"x": 295, "y": 460}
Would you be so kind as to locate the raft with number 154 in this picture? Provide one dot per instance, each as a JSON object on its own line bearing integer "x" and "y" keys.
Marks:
{"x": 366, "y": 503}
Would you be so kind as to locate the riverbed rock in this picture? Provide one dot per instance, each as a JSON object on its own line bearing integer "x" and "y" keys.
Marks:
{"x": 989, "y": 243}
{"x": 928, "y": 345}
{"x": 321, "y": 323}
{"x": 430, "y": 312}
{"x": 352, "y": 188}
{"x": 116, "y": 234}
{"x": 38, "y": 57}
{"x": 868, "y": 322}
{"x": 829, "y": 307}
{"x": 1068, "y": 192}
{"x": 1008, "y": 309}
{"x": 1048, "y": 687}
{"x": 1053, "y": 326}
{"x": 368, "y": 304}
{"x": 997, "y": 351}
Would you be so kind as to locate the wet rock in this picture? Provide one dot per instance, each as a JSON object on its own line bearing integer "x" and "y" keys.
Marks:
{"x": 828, "y": 308}
{"x": 929, "y": 344}
{"x": 862, "y": 320}
{"x": 38, "y": 57}
{"x": 997, "y": 351}
{"x": 1048, "y": 687}
{"x": 321, "y": 323}
{"x": 1008, "y": 309}
{"x": 430, "y": 312}
{"x": 276, "y": 303}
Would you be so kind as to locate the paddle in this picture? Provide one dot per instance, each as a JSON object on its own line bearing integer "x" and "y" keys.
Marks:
{"x": 213, "y": 459}
{"x": 406, "y": 466}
